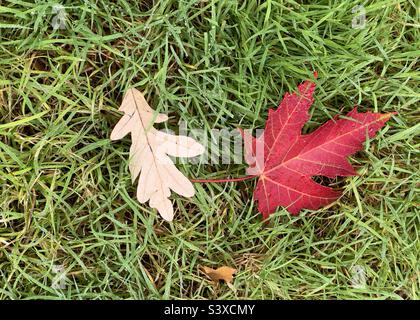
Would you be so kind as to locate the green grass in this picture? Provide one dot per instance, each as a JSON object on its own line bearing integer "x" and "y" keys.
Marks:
{"x": 66, "y": 195}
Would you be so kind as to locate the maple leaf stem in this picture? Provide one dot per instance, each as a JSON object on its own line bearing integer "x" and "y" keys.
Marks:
{"x": 223, "y": 180}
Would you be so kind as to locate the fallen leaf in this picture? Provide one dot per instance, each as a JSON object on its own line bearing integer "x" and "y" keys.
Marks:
{"x": 289, "y": 160}
{"x": 223, "y": 273}
{"x": 150, "y": 151}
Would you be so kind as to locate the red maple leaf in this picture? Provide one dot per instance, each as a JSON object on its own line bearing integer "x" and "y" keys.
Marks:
{"x": 291, "y": 159}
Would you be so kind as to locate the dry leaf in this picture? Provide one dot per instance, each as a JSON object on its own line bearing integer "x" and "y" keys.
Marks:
{"x": 150, "y": 151}
{"x": 222, "y": 273}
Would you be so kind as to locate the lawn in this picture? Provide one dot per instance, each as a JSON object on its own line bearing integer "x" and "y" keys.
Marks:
{"x": 68, "y": 207}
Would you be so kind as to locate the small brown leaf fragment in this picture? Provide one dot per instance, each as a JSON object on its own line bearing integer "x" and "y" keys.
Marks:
{"x": 223, "y": 273}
